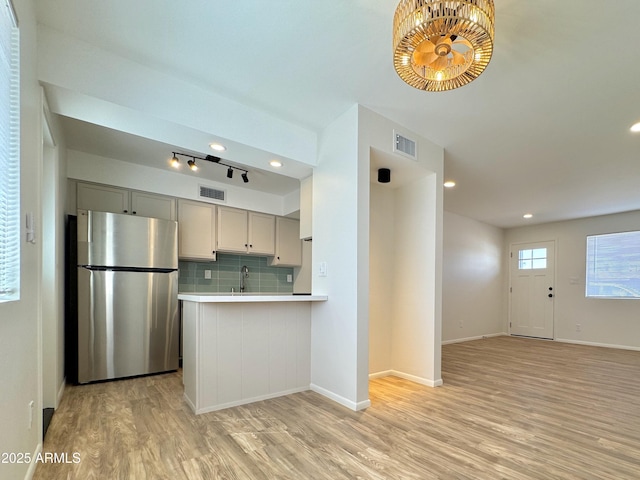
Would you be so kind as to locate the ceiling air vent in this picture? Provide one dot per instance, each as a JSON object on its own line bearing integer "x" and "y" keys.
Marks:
{"x": 210, "y": 193}
{"x": 404, "y": 146}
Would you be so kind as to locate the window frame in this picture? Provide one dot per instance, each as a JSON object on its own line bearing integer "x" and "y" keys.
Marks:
{"x": 591, "y": 268}
{"x": 10, "y": 225}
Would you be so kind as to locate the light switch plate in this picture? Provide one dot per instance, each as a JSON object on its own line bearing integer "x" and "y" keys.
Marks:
{"x": 322, "y": 269}
{"x": 207, "y": 274}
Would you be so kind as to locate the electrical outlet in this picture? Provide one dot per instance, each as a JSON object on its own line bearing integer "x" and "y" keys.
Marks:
{"x": 578, "y": 327}
{"x": 289, "y": 278}
{"x": 207, "y": 274}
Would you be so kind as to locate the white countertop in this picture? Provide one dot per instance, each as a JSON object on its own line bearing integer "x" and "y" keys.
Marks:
{"x": 248, "y": 297}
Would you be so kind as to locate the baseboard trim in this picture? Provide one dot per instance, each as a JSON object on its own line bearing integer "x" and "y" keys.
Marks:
{"x": 407, "y": 376}
{"x": 355, "y": 406}
{"x": 244, "y": 401}
{"x": 596, "y": 344}
{"x": 34, "y": 462}
{"x": 479, "y": 337}
{"x": 61, "y": 391}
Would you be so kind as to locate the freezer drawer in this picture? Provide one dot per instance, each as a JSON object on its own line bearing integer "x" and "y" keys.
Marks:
{"x": 128, "y": 323}
{"x": 115, "y": 240}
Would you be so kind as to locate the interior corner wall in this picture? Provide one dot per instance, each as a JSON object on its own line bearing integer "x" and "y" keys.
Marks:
{"x": 473, "y": 279}
{"x": 603, "y": 322}
{"x": 381, "y": 269}
{"x": 335, "y": 353}
{"x": 19, "y": 342}
{"x": 406, "y": 261}
{"x": 53, "y": 269}
{"x": 415, "y": 336}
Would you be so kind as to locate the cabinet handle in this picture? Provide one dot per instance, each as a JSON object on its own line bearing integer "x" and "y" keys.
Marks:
{"x": 125, "y": 211}
{"x": 245, "y": 244}
{"x": 250, "y": 246}
{"x": 278, "y": 258}
{"x": 133, "y": 213}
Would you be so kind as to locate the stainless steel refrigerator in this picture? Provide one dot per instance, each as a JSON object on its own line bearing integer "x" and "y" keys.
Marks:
{"x": 128, "y": 322}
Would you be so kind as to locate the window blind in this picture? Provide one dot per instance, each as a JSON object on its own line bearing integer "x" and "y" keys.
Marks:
{"x": 9, "y": 154}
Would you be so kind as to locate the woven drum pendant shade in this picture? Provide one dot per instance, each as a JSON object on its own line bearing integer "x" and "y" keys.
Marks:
{"x": 440, "y": 45}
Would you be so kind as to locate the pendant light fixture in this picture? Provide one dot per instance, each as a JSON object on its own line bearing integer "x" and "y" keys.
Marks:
{"x": 440, "y": 45}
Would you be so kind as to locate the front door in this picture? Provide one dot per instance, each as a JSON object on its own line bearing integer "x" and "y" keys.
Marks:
{"x": 532, "y": 289}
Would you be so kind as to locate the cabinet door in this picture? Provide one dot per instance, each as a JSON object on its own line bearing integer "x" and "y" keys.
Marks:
{"x": 102, "y": 198}
{"x": 196, "y": 230}
{"x": 232, "y": 230}
{"x": 152, "y": 205}
{"x": 262, "y": 234}
{"x": 288, "y": 243}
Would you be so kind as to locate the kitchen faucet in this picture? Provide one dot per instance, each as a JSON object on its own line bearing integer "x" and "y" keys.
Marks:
{"x": 244, "y": 273}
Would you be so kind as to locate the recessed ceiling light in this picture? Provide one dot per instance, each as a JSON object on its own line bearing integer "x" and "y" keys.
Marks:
{"x": 527, "y": 216}
{"x": 449, "y": 184}
{"x": 217, "y": 147}
{"x": 635, "y": 128}
{"x": 275, "y": 163}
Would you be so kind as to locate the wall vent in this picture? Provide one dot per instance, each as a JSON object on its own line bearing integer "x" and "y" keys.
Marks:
{"x": 404, "y": 146}
{"x": 210, "y": 193}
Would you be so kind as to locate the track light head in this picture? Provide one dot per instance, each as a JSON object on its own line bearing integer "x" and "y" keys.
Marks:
{"x": 230, "y": 173}
{"x": 245, "y": 179}
{"x": 175, "y": 163}
{"x": 192, "y": 165}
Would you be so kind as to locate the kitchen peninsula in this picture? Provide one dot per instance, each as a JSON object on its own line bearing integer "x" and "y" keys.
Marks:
{"x": 242, "y": 348}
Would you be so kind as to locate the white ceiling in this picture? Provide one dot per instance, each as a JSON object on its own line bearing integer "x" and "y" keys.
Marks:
{"x": 544, "y": 130}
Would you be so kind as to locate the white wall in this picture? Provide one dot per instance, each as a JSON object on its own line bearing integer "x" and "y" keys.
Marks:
{"x": 92, "y": 168}
{"x": 19, "y": 331}
{"x": 86, "y": 82}
{"x": 603, "y": 322}
{"x": 348, "y": 218}
{"x": 53, "y": 191}
{"x": 416, "y": 339}
{"x": 406, "y": 254}
{"x": 473, "y": 279}
{"x": 336, "y": 241}
{"x": 382, "y": 258}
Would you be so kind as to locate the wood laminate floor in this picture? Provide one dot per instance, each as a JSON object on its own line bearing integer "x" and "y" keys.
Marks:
{"x": 510, "y": 408}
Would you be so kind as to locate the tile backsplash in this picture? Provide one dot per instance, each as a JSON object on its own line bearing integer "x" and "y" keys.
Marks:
{"x": 225, "y": 275}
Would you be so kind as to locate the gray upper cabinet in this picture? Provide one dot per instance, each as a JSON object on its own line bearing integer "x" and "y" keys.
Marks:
{"x": 288, "y": 244}
{"x": 104, "y": 198}
{"x": 196, "y": 230}
{"x": 153, "y": 205}
{"x": 242, "y": 231}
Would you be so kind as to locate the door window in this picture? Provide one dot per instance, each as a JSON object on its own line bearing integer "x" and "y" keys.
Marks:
{"x": 530, "y": 259}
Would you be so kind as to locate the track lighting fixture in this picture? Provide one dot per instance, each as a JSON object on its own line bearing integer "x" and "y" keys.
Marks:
{"x": 175, "y": 162}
